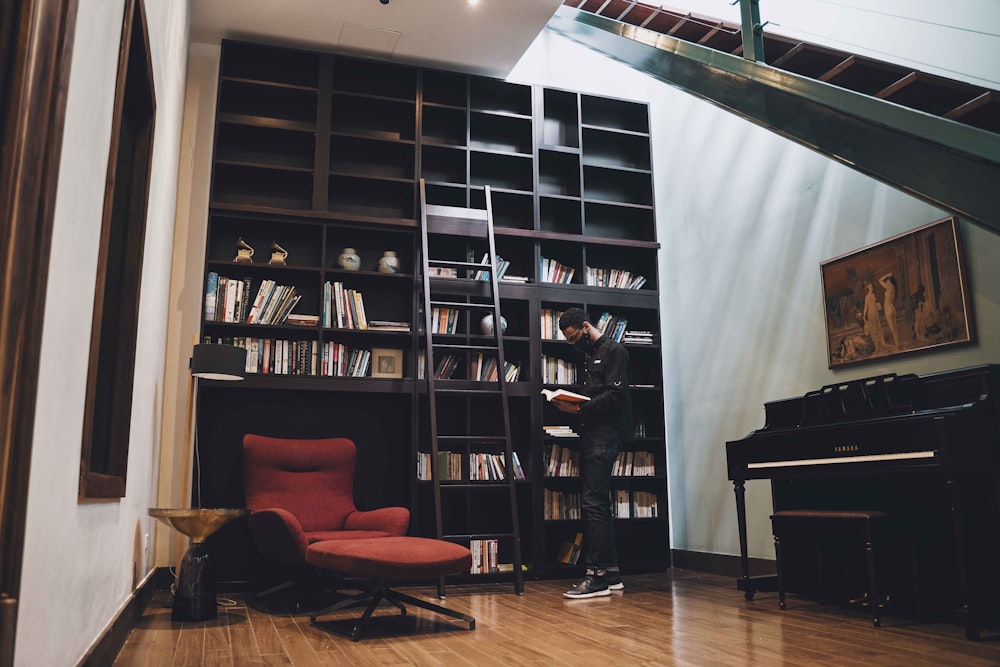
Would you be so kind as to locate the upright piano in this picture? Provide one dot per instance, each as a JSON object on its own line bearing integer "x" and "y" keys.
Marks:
{"x": 927, "y": 445}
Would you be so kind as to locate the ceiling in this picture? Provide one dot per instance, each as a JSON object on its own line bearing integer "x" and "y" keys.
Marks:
{"x": 488, "y": 37}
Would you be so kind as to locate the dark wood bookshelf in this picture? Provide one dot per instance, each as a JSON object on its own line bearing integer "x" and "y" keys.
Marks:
{"x": 320, "y": 152}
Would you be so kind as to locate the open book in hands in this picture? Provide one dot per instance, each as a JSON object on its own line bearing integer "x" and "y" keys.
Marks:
{"x": 564, "y": 395}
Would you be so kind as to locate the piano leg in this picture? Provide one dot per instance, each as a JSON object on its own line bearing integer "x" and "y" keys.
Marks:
{"x": 744, "y": 584}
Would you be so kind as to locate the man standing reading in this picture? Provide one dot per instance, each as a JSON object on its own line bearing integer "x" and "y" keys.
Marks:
{"x": 605, "y": 420}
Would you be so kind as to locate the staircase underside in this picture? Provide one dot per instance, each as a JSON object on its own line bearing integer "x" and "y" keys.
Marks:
{"x": 949, "y": 164}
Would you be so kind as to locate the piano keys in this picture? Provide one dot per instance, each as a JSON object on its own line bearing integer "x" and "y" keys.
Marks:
{"x": 927, "y": 444}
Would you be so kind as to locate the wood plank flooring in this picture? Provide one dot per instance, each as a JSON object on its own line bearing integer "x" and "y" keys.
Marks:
{"x": 675, "y": 618}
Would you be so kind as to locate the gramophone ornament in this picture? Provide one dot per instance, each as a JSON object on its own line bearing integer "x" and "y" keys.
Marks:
{"x": 244, "y": 252}
{"x": 278, "y": 254}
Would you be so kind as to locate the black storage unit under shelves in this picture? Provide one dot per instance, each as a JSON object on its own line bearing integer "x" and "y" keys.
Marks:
{"x": 320, "y": 153}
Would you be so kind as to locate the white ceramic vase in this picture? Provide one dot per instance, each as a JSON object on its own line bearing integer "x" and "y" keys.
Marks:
{"x": 349, "y": 260}
{"x": 389, "y": 263}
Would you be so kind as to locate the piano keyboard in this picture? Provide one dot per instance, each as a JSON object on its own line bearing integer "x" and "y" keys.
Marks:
{"x": 902, "y": 456}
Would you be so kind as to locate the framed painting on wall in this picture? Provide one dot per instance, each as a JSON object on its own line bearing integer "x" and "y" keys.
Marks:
{"x": 905, "y": 294}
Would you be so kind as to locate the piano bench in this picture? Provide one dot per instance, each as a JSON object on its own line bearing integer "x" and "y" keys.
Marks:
{"x": 870, "y": 528}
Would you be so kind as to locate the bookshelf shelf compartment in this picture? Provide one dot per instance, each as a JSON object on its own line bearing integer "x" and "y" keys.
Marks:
{"x": 267, "y": 102}
{"x": 253, "y": 62}
{"x": 265, "y": 146}
{"x": 500, "y": 133}
{"x": 561, "y": 119}
{"x": 615, "y": 150}
{"x": 374, "y": 78}
{"x": 445, "y": 126}
{"x": 500, "y": 97}
{"x": 614, "y": 114}
{"x": 380, "y": 199}
{"x": 263, "y": 187}
{"x": 369, "y": 157}
{"x": 375, "y": 118}
{"x": 509, "y": 172}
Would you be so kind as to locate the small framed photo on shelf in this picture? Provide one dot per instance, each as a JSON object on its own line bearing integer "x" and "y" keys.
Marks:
{"x": 905, "y": 294}
{"x": 387, "y": 363}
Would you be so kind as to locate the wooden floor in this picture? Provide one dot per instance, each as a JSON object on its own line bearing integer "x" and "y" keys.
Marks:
{"x": 676, "y": 618}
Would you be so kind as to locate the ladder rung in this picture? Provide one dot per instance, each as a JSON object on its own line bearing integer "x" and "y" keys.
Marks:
{"x": 460, "y": 304}
{"x": 461, "y": 212}
{"x": 458, "y": 265}
{"x": 468, "y": 391}
{"x": 456, "y": 346}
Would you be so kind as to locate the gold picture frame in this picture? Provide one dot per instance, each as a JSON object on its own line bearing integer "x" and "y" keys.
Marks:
{"x": 905, "y": 294}
{"x": 387, "y": 363}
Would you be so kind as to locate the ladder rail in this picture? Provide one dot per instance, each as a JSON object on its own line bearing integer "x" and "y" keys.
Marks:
{"x": 441, "y": 220}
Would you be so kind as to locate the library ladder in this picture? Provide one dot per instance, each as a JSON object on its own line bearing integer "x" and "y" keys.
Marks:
{"x": 473, "y": 290}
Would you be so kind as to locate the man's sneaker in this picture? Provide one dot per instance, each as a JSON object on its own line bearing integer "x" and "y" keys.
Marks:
{"x": 592, "y": 586}
{"x": 614, "y": 580}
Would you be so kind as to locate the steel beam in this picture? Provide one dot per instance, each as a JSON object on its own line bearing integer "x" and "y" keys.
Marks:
{"x": 943, "y": 162}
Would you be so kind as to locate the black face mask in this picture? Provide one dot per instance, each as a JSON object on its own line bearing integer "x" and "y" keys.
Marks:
{"x": 584, "y": 344}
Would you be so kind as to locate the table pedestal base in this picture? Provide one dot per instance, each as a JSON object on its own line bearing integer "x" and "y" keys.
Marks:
{"x": 194, "y": 599}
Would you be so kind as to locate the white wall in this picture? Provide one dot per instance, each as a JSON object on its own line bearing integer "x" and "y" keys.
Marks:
{"x": 82, "y": 561}
{"x": 744, "y": 219}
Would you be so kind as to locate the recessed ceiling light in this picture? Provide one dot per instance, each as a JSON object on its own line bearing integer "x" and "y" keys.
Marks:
{"x": 473, "y": 2}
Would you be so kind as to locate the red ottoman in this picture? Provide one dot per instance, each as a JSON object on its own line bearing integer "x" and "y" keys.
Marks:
{"x": 386, "y": 559}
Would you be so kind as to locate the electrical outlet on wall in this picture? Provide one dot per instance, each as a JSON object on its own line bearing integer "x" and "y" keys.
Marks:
{"x": 145, "y": 543}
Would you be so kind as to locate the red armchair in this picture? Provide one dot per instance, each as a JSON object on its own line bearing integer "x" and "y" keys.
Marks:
{"x": 300, "y": 492}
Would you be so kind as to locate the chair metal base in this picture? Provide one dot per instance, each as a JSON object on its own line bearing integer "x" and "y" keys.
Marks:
{"x": 381, "y": 591}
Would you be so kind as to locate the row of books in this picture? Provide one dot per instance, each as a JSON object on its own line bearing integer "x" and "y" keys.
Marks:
{"x": 484, "y": 369}
{"x": 611, "y": 326}
{"x": 449, "y": 465}
{"x": 619, "y": 278}
{"x": 444, "y": 320}
{"x": 634, "y": 464}
{"x": 341, "y": 361}
{"x": 634, "y": 504}
{"x": 569, "y": 552}
{"x": 270, "y": 356}
{"x": 446, "y": 367}
{"x": 501, "y": 266}
{"x": 491, "y": 467}
{"x": 483, "y": 466}
{"x": 557, "y": 371}
{"x": 550, "y": 324}
{"x": 562, "y": 461}
{"x": 229, "y": 300}
{"x": 485, "y": 556}
{"x": 343, "y": 308}
{"x": 551, "y": 271}
{"x": 561, "y": 505}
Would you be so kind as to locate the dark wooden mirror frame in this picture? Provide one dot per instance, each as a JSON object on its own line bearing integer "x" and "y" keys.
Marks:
{"x": 108, "y": 411}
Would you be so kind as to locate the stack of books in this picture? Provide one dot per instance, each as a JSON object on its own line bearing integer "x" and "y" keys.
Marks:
{"x": 635, "y": 337}
{"x": 388, "y": 325}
